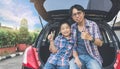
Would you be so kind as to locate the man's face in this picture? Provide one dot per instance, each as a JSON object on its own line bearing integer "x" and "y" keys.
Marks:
{"x": 78, "y": 16}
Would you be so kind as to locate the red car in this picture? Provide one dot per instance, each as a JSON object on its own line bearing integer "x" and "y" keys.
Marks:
{"x": 52, "y": 11}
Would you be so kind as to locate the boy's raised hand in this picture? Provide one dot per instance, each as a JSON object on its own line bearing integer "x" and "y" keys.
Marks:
{"x": 52, "y": 48}
{"x": 50, "y": 36}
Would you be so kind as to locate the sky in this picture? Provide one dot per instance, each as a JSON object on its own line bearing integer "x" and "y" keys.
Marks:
{"x": 13, "y": 11}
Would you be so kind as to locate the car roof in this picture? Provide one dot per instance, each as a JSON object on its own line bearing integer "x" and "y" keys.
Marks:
{"x": 111, "y": 7}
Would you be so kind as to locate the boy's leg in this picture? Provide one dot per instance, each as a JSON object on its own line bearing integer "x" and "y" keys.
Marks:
{"x": 49, "y": 66}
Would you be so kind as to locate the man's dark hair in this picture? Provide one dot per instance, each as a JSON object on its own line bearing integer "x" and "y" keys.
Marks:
{"x": 78, "y": 7}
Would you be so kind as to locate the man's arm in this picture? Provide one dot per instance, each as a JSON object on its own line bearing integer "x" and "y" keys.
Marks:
{"x": 98, "y": 38}
{"x": 96, "y": 41}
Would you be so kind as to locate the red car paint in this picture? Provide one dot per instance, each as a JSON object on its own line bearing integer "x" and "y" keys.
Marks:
{"x": 31, "y": 58}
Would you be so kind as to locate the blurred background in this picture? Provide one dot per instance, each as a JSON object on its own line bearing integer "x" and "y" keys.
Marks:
{"x": 20, "y": 25}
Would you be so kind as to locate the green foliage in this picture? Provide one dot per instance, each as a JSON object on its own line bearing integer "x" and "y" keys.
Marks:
{"x": 10, "y": 37}
{"x": 31, "y": 37}
{"x": 23, "y": 31}
{"x": 7, "y": 37}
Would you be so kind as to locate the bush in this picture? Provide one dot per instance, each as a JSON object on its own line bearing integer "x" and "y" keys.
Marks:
{"x": 10, "y": 37}
{"x": 31, "y": 37}
{"x": 7, "y": 37}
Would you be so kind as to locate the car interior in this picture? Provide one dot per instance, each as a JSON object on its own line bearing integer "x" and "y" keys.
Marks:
{"x": 107, "y": 51}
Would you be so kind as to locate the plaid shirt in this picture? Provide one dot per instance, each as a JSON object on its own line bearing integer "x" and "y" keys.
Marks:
{"x": 93, "y": 29}
{"x": 64, "y": 46}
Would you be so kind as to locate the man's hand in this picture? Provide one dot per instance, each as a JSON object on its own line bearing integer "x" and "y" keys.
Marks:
{"x": 98, "y": 42}
{"x": 85, "y": 35}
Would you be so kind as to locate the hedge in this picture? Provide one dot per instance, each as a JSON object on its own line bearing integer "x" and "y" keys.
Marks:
{"x": 10, "y": 37}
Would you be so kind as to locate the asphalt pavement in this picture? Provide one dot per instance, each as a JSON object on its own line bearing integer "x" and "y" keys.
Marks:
{"x": 10, "y": 55}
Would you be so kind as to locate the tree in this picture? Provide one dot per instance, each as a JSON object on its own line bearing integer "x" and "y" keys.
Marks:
{"x": 23, "y": 31}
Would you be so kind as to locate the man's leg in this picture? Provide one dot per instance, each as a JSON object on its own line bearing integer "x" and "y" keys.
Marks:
{"x": 93, "y": 64}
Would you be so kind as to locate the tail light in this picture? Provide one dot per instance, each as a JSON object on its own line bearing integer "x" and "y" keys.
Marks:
{"x": 117, "y": 63}
{"x": 30, "y": 58}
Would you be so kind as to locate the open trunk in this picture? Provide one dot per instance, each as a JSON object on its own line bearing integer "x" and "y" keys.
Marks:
{"x": 111, "y": 7}
{"x": 101, "y": 11}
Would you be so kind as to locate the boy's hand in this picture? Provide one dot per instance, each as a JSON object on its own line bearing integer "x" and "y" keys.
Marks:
{"x": 78, "y": 62}
{"x": 52, "y": 49}
{"x": 51, "y": 36}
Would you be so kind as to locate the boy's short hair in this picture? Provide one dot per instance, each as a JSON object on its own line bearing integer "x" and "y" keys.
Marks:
{"x": 64, "y": 22}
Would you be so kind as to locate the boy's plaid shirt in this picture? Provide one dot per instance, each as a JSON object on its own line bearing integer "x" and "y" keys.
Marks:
{"x": 64, "y": 47}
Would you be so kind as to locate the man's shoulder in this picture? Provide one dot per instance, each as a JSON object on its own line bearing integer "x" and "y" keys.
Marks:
{"x": 73, "y": 25}
{"x": 90, "y": 21}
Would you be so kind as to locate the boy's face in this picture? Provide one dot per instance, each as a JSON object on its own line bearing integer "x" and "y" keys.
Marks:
{"x": 65, "y": 30}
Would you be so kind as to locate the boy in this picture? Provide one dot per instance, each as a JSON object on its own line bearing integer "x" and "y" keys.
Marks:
{"x": 61, "y": 48}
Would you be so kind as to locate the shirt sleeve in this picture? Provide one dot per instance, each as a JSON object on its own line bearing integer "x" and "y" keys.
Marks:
{"x": 73, "y": 33}
{"x": 74, "y": 47}
{"x": 74, "y": 42}
{"x": 97, "y": 31}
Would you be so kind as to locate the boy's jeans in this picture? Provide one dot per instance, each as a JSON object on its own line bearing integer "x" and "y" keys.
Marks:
{"x": 51, "y": 66}
{"x": 87, "y": 63}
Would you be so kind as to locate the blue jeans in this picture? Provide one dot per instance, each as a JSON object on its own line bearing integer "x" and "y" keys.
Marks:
{"x": 52, "y": 66}
{"x": 87, "y": 63}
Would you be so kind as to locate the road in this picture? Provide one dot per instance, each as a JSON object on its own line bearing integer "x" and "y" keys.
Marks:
{"x": 11, "y": 63}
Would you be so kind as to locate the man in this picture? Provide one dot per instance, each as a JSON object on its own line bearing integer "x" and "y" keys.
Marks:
{"x": 87, "y": 38}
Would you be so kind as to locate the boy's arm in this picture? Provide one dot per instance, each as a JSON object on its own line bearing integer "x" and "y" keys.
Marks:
{"x": 77, "y": 60}
{"x": 52, "y": 47}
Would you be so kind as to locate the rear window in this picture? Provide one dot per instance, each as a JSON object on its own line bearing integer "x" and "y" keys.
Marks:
{"x": 103, "y": 5}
